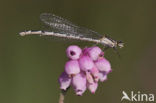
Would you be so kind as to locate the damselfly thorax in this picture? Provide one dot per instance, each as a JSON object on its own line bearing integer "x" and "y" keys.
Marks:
{"x": 63, "y": 28}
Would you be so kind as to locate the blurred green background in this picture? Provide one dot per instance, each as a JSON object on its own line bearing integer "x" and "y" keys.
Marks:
{"x": 30, "y": 65}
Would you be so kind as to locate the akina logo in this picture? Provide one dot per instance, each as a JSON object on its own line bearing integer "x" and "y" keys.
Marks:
{"x": 137, "y": 96}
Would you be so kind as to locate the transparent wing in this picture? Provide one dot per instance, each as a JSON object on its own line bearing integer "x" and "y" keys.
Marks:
{"x": 62, "y": 25}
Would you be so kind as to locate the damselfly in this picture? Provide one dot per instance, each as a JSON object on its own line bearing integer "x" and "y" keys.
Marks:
{"x": 65, "y": 29}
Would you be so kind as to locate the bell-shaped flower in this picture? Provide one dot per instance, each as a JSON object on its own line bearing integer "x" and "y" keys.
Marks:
{"x": 92, "y": 87}
{"x": 103, "y": 64}
{"x": 95, "y": 52}
{"x": 64, "y": 81}
{"x": 79, "y": 83}
{"x": 102, "y": 76}
{"x": 72, "y": 67}
{"x": 89, "y": 78}
{"x": 95, "y": 73}
{"x": 86, "y": 63}
{"x": 73, "y": 52}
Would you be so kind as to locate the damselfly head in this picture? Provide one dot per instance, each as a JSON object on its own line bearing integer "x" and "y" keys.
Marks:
{"x": 120, "y": 44}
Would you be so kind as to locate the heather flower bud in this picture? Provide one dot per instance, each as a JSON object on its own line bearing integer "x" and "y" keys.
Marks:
{"x": 85, "y": 51}
{"x": 102, "y": 76}
{"x": 79, "y": 83}
{"x": 94, "y": 53}
{"x": 89, "y": 78}
{"x": 72, "y": 67}
{"x": 73, "y": 52}
{"x": 103, "y": 64}
{"x": 92, "y": 87}
{"x": 86, "y": 63}
{"x": 95, "y": 73}
{"x": 64, "y": 81}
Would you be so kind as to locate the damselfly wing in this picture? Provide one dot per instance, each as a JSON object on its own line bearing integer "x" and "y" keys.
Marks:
{"x": 66, "y": 29}
{"x": 64, "y": 26}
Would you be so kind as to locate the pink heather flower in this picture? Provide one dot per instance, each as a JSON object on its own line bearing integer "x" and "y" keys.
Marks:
{"x": 102, "y": 76}
{"x": 95, "y": 73}
{"x": 89, "y": 78}
{"x": 103, "y": 64}
{"x": 72, "y": 67}
{"x": 73, "y": 52}
{"x": 92, "y": 87}
{"x": 79, "y": 83}
{"x": 64, "y": 81}
{"x": 95, "y": 52}
{"x": 84, "y": 69}
{"x": 86, "y": 63}
{"x": 86, "y": 50}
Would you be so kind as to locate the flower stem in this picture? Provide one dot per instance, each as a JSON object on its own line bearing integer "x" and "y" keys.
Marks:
{"x": 61, "y": 99}
{"x": 62, "y": 96}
